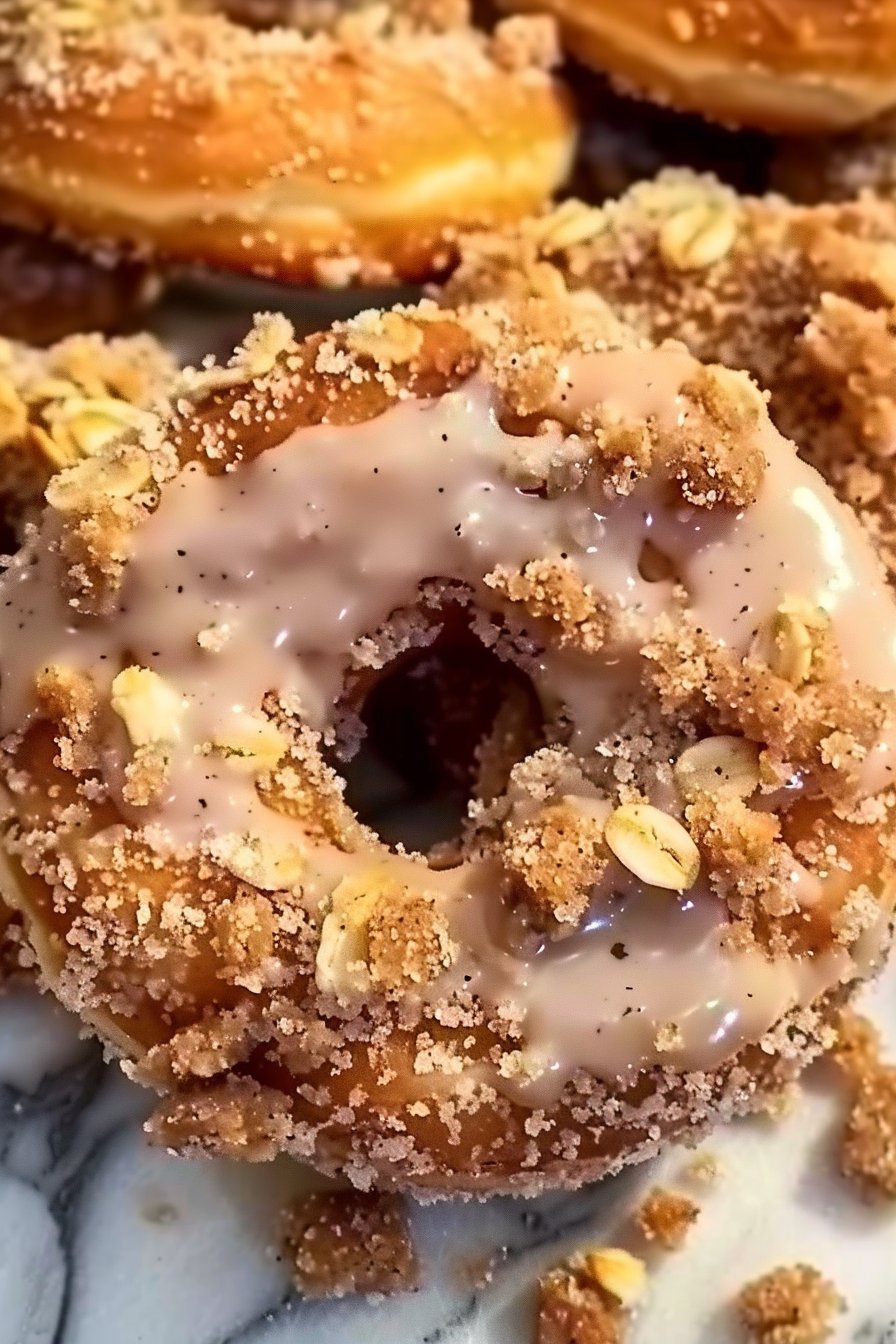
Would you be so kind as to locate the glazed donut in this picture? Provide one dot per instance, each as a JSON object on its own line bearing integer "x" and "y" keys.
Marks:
{"x": 653, "y": 914}
{"x": 331, "y": 158}
{"x": 802, "y": 298}
{"x": 60, "y": 405}
{"x": 798, "y": 65}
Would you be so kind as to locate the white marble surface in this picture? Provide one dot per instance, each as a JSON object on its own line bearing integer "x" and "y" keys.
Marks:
{"x": 106, "y": 1241}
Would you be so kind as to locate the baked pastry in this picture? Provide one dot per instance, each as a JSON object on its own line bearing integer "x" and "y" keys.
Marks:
{"x": 653, "y": 914}
{"x": 800, "y": 297}
{"x": 798, "y": 65}
{"x": 60, "y": 405}
{"x": 48, "y": 290}
{"x": 336, "y": 158}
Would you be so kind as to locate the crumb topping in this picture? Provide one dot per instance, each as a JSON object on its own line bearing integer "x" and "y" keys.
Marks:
{"x": 793, "y": 1304}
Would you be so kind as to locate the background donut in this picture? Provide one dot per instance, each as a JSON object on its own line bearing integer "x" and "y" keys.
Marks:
{"x": 798, "y": 65}
{"x": 337, "y": 158}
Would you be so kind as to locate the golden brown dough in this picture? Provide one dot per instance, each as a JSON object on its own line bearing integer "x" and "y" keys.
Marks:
{"x": 333, "y": 158}
{"x": 798, "y": 65}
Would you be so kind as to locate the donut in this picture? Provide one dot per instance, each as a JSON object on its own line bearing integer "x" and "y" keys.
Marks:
{"x": 657, "y": 901}
{"x": 58, "y": 406}
{"x": 839, "y": 167}
{"x": 796, "y": 65}
{"x": 352, "y": 156}
{"x": 49, "y": 291}
{"x": 801, "y": 297}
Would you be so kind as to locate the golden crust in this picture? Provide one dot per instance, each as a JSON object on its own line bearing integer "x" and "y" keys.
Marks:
{"x": 205, "y": 973}
{"x": 332, "y": 158}
{"x": 799, "y": 65}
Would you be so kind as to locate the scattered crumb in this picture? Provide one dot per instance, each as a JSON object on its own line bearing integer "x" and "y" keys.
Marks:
{"x": 573, "y": 1308}
{"x": 705, "y": 1167}
{"x": 667, "y": 1217}
{"x": 868, "y": 1147}
{"x": 792, "y": 1304}
{"x": 349, "y": 1241}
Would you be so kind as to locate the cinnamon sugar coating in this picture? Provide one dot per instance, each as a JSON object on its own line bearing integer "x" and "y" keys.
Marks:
{"x": 197, "y": 886}
{"x": 800, "y": 296}
{"x": 349, "y": 154}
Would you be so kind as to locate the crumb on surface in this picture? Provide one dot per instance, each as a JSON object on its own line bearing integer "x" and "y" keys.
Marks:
{"x": 705, "y": 1166}
{"x": 792, "y": 1304}
{"x": 349, "y": 1241}
{"x": 667, "y": 1217}
{"x": 574, "y": 1309}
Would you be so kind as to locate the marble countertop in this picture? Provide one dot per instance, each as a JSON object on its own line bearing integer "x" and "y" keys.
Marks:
{"x": 104, "y": 1240}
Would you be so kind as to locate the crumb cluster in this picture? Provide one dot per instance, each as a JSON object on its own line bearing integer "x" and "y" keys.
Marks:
{"x": 346, "y": 1241}
{"x": 793, "y": 1304}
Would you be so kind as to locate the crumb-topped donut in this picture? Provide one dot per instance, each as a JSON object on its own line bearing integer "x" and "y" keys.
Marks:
{"x": 796, "y": 65}
{"x": 801, "y": 297}
{"x": 652, "y": 914}
{"x": 337, "y": 157}
{"x": 60, "y": 405}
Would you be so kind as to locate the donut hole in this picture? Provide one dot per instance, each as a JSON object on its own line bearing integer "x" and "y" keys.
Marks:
{"x": 654, "y": 566}
{"x": 441, "y": 725}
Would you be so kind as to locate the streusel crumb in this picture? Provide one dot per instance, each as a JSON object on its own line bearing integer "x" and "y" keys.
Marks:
{"x": 793, "y": 1304}
{"x": 349, "y": 1241}
{"x": 667, "y": 1217}
{"x": 574, "y": 1308}
{"x": 868, "y": 1148}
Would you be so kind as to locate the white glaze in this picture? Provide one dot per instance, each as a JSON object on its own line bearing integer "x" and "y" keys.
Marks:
{"x": 316, "y": 543}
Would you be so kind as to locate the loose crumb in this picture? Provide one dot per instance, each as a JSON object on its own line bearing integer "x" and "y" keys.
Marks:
{"x": 349, "y": 1241}
{"x": 667, "y": 1217}
{"x": 792, "y": 1304}
{"x": 705, "y": 1167}
{"x": 574, "y": 1308}
{"x": 868, "y": 1147}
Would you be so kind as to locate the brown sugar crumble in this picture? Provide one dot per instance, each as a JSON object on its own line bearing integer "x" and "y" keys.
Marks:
{"x": 588, "y": 1298}
{"x": 868, "y": 1146}
{"x": 793, "y": 1304}
{"x": 349, "y": 1241}
{"x": 667, "y": 1217}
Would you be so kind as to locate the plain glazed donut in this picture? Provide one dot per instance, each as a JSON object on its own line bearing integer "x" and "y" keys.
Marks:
{"x": 653, "y": 914}
{"x": 801, "y": 297}
{"x": 795, "y": 65}
{"x": 331, "y": 158}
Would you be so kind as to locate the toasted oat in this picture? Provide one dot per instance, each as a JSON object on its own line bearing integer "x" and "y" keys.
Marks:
{"x": 653, "y": 846}
{"x": 723, "y": 764}
{"x": 792, "y": 1304}
{"x": 349, "y": 1241}
{"x": 667, "y": 1217}
{"x": 616, "y": 1271}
